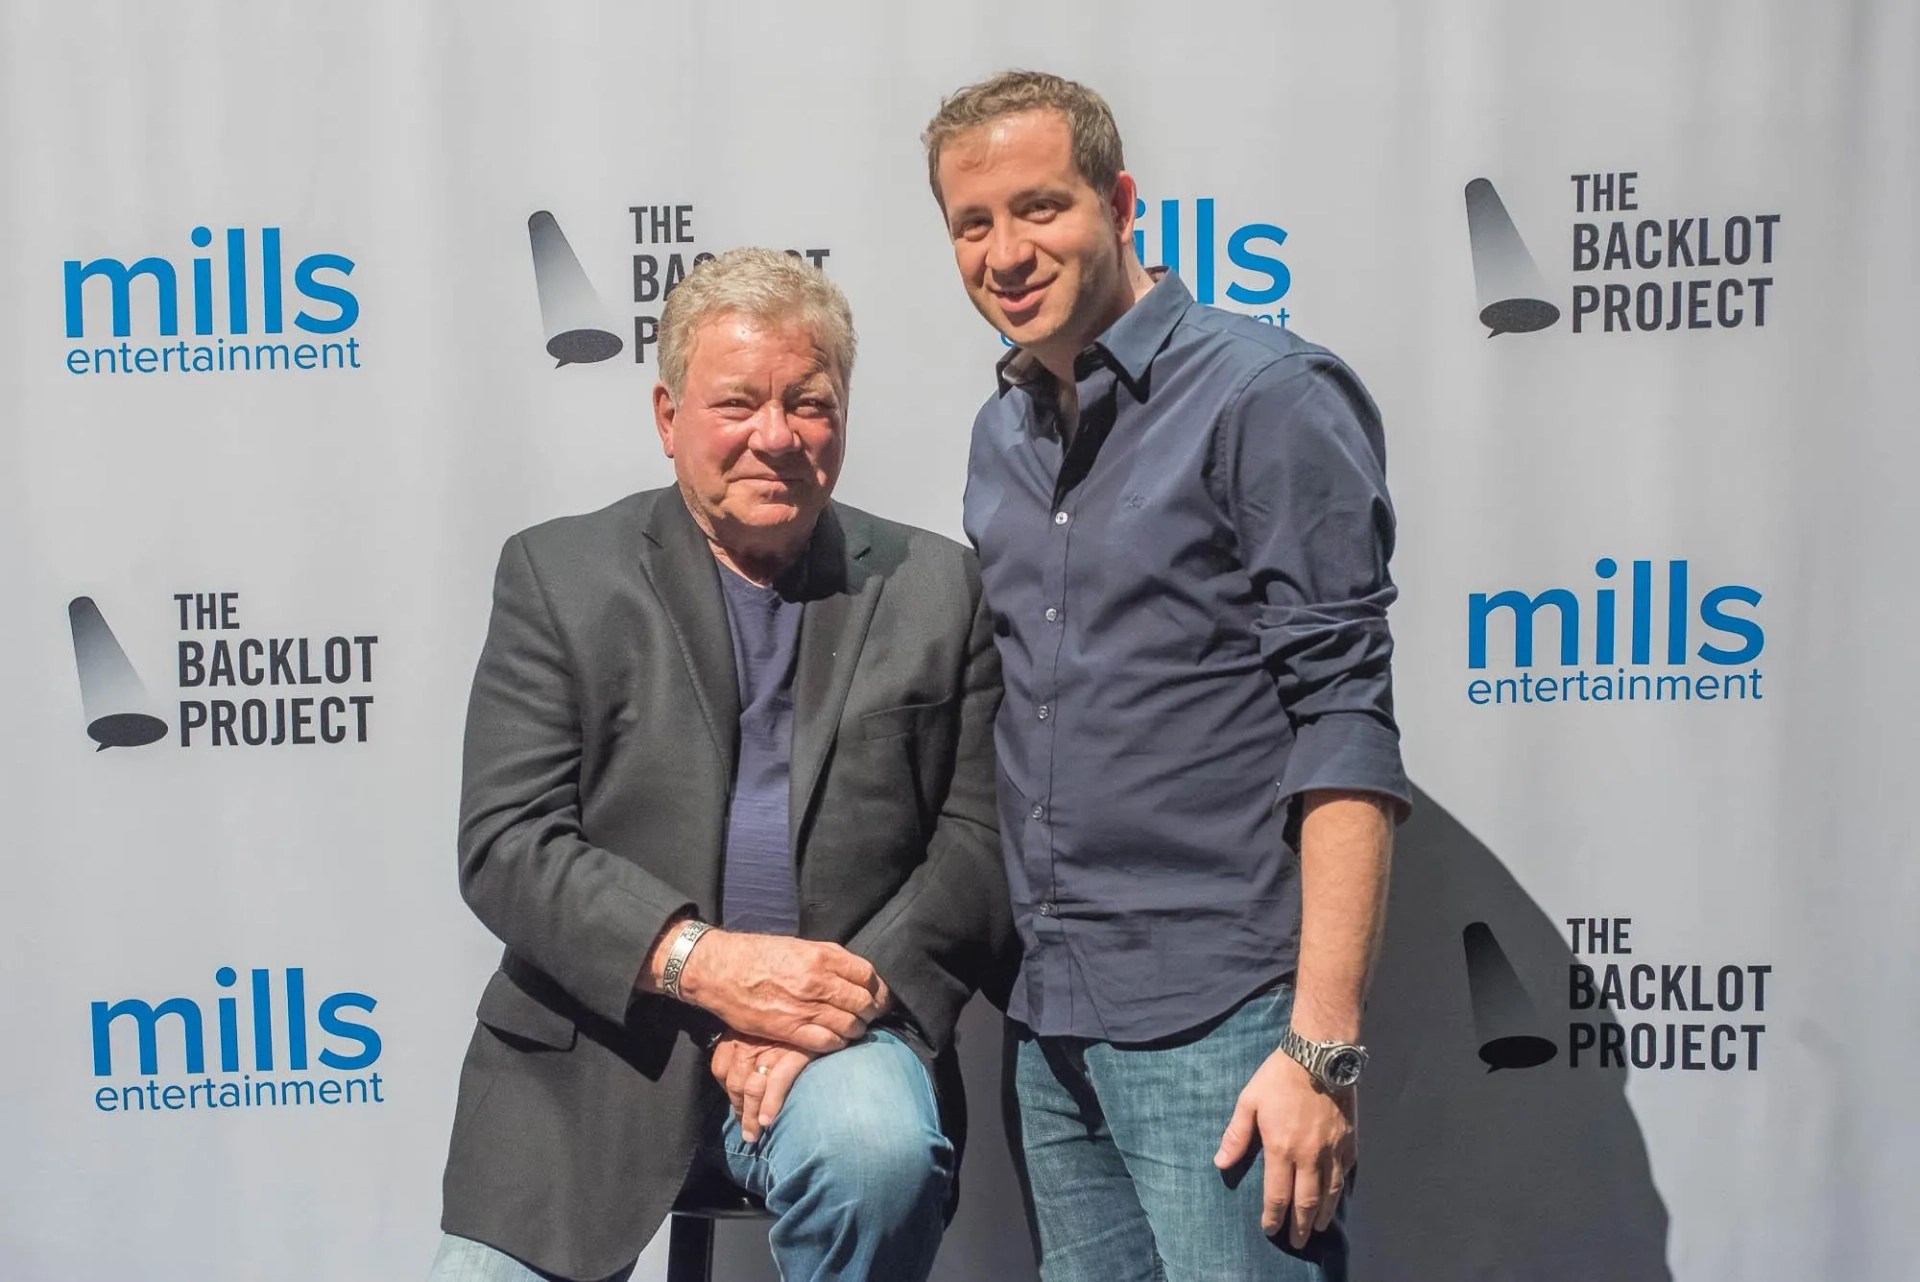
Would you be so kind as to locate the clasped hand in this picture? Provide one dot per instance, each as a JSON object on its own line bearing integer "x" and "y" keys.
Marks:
{"x": 811, "y": 995}
{"x": 785, "y": 1003}
{"x": 757, "y": 1075}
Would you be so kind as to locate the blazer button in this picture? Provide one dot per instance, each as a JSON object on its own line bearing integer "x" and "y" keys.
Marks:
{"x": 1049, "y": 909}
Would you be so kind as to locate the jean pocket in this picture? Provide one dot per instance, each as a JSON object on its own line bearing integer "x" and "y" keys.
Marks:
{"x": 1278, "y": 1000}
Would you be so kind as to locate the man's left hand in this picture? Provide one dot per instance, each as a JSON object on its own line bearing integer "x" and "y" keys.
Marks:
{"x": 1307, "y": 1137}
{"x": 757, "y": 1075}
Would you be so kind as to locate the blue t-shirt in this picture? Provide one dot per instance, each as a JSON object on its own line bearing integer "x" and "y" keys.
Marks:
{"x": 758, "y": 891}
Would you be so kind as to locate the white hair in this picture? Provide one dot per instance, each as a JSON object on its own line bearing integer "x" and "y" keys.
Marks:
{"x": 769, "y": 285}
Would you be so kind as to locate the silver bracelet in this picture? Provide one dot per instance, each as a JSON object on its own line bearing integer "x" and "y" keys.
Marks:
{"x": 683, "y": 941}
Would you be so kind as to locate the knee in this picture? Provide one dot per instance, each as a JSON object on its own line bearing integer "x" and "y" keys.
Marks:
{"x": 885, "y": 1165}
{"x": 871, "y": 1137}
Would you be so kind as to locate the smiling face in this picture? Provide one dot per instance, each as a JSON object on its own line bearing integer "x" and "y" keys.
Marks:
{"x": 1042, "y": 254}
{"x": 756, "y": 438}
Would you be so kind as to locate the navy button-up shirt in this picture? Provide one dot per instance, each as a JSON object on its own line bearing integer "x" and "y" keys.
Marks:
{"x": 1190, "y": 591}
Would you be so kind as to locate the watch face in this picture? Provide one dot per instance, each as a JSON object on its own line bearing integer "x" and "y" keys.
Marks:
{"x": 1344, "y": 1068}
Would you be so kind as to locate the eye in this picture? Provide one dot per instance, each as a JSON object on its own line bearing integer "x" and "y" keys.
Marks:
{"x": 971, "y": 229}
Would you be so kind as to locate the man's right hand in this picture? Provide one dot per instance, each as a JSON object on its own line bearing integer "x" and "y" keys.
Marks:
{"x": 806, "y": 993}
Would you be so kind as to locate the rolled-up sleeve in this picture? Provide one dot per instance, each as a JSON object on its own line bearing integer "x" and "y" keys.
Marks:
{"x": 1302, "y": 471}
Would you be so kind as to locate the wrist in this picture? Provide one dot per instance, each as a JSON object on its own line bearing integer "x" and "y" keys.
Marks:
{"x": 696, "y": 965}
{"x": 667, "y": 966}
{"x": 648, "y": 980}
{"x": 1334, "y": 1064}
{"x": 1325, "y": 1022}
{"x": 1326, "y": 1030}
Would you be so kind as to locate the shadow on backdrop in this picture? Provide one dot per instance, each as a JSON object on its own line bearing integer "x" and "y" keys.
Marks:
{"x": 1530, "y": 1172}
{"x": 1484, "y": 1155}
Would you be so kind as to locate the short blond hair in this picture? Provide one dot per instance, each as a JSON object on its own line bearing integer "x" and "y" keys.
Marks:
{"x": 1096, "y": 139}
{"x": 771, "y": 286}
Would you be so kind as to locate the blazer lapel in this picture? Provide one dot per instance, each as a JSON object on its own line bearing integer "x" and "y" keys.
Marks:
{"x": 841, "y": 594}
{"x": 680, "y": 565}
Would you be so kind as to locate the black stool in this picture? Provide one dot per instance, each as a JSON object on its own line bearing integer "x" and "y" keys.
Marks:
{"x": 705, "y": 1198}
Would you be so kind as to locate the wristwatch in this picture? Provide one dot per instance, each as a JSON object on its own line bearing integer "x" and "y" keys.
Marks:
{"x": 1334, "y": 1066}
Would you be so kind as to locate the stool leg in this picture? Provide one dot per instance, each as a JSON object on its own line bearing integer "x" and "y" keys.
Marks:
{"x": 689, "y": 1249}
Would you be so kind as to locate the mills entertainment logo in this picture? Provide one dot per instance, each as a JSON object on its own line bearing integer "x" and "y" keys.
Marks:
{"x": 288, "y": 1035}
{"x": 1252, "y": 279}
{"x": 1633, "y": 273}
{"x": 1693, "y": 646}
{"x": 580, "y": 329}
{"x": 239, "y": 300}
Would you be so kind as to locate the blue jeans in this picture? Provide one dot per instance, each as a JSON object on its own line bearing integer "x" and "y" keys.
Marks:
{"x": 1117, "y": 1144}
{"x": 855, "y": 1170}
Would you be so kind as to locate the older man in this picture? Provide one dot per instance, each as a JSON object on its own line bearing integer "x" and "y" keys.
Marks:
{"x": 728, "y": 802}
{"x": 1183, "y": 528}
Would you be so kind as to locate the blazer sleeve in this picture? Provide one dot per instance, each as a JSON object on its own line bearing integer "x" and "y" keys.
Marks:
{"x": 949, "y": 929}
{"x": 585, "y": 916}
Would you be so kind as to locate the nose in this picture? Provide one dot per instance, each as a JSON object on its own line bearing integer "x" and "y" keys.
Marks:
{"x": 772, "y": 432}
{"x": 1009, "y": 252}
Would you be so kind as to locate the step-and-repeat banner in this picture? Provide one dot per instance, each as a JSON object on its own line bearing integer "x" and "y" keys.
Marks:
{"x": 304, "y": 309}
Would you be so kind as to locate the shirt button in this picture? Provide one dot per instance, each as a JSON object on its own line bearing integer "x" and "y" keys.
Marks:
{"x": 1059, "y": 518}
{"x": 1049, "y": 909}
{"x": 1042, "y": 712}
{"x": 1052, "y": 614}
{"x": 1039, "y": 811}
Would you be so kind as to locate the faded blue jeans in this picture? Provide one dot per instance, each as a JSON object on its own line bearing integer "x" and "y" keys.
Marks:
{"x": 1117, "y": 1143}
{"x": 855, "y": 1170}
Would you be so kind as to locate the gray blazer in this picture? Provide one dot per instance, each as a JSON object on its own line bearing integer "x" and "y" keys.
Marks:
{"x": 600, "y": 748}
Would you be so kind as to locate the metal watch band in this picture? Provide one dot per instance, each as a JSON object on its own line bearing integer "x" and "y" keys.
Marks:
{"x": 683, "y": 941}
{"x": 1314, "y": 1057}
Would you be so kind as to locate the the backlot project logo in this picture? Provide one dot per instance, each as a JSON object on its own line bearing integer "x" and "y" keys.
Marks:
{"x": 245, "y": 301}
{"x": 237, "y": 688}
{"x": 580, "y": 328}
{"x": 1638, "y": 632}
{"x": 272, "y": 1041}
{"x": 1657, "y": 998}
{"x": 1623, "y": 1009}
{"x": 1634, "y": 269}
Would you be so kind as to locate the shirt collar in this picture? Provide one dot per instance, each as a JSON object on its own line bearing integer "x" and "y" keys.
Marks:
{"x": 1128, "y": 345}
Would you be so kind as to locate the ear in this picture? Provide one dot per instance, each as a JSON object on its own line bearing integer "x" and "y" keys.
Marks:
{"x": 1121, "y": 203}
{"x": 663, "y": 412}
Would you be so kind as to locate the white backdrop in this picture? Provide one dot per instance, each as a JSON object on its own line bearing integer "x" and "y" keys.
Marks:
{"x": 399, "y": 151}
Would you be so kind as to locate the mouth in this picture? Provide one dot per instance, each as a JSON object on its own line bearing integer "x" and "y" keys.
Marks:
{"x": 1025, "y": 298}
